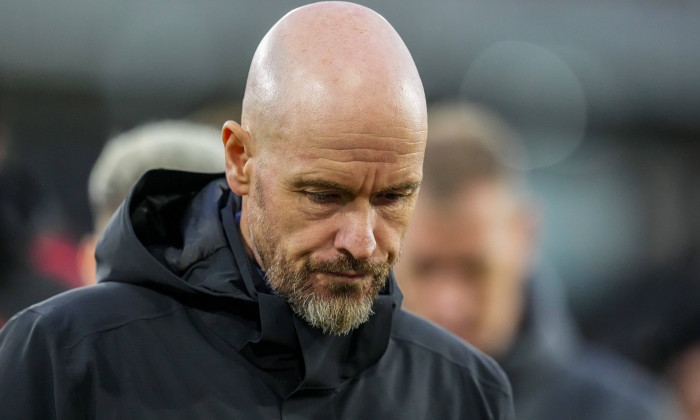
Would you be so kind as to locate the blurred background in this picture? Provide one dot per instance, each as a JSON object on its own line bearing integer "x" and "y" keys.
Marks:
{"x": 604, "y": 94}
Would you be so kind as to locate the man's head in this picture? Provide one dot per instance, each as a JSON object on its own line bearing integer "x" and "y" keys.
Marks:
{"x": 328, "y": 159}
{"x": 469, "y": 246}
{"x": 124, "y": 159}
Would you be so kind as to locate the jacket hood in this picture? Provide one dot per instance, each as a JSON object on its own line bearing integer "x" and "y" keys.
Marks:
{"x": 167, "y": 235}
{"x": 176, "y": 233}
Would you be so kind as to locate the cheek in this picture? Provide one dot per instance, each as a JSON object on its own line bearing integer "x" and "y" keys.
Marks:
{"x": 302, "y": 237}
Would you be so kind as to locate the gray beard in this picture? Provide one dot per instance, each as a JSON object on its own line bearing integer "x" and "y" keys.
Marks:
{"x": 343, "y": 307}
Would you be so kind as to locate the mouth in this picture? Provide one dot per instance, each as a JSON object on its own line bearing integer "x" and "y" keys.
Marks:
{"x": 350, "y": 276}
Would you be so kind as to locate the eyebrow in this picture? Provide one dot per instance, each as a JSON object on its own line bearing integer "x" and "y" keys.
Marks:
{"x": 330, "y": 185}
{"x": 404, "y": 186}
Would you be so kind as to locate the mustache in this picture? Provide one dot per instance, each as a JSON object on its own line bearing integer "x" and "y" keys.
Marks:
{"x": 345, "y": 263}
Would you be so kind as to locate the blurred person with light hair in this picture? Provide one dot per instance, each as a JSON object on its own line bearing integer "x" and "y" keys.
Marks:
{"x": 169, "y": 144}
{"x": 470, "y": 263}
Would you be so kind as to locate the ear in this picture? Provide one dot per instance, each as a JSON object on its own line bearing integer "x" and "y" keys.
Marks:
{"x": 237, "y": 146}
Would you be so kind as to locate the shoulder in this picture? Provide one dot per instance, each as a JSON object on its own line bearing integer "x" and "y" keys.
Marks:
{"x": 611, "y": 380}
{"x": 71, "y": 316}
{"x": 432, "y": 371}
{"x": 432, "y": 343}
{"x": 592, "y": 383}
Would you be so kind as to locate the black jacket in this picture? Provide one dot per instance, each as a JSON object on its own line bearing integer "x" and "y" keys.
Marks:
{"x": 181, "y": 326}
{"x": 555, "y": 374}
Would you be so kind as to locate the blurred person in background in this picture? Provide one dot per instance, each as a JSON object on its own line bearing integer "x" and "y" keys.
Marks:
{"x": 470, "y": 264}
{"x": 683, "y": 364}
{"x": 684, "y": 375}
{"x": 21, "y": 283}
{"x": 179, "y": 145}
{"x": 23, "y": 205}
{"x": 655, "y": 321}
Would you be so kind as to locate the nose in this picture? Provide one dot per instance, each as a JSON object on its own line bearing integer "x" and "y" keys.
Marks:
{"x": 355, "y": 234}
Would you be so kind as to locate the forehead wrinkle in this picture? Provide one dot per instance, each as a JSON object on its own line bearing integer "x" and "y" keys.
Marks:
{"x": 342, "y": 141}
{"x": 322, "y": 165}
{"x": 363, "y": 155}
{"x": 400, "y": 151}
{"x": 390, "y": 126}
{"x": 378, "y": 136}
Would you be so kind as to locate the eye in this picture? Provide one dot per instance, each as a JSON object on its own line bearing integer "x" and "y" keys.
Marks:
{"x": 323, "y": 197}
{"x": 390, "y": 198}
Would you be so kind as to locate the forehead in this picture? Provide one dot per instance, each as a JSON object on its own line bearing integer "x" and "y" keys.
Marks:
{"x": 349, "y": 146}
{"x": 351, "y": 150}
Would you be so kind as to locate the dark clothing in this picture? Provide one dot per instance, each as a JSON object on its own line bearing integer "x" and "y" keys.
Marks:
{"x": 181, "y": 327}
{"x": 654, "y": 317}
{"x": 22, "y": 204}
{"x": 556, "y": 376}
{"x": 21, "y": 287}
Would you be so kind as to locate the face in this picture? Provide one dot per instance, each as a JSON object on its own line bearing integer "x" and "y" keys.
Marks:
{"x": 327, "y": 211}
{"x": 464, "y": 262}
{"x": 685, "y": 377}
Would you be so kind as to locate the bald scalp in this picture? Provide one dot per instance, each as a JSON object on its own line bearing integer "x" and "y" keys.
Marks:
{"x": 330, "y": 60}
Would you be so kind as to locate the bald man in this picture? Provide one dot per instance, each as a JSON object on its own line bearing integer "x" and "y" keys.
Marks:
{"x": 266, "y": 292}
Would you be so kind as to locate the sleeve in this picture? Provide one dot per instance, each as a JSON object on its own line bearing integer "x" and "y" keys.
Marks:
{"x": 33, "y": 380}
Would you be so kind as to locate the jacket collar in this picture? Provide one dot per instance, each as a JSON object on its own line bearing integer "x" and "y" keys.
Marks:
{"x": 176, "y": 233}
{"x": 328, "y": 360}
